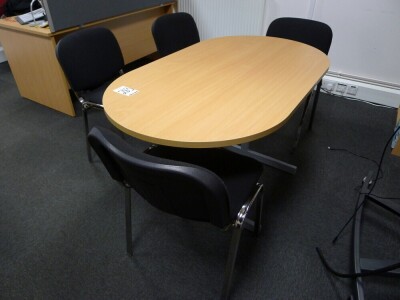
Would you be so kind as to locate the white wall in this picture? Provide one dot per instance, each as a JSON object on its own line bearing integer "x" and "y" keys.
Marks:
{"x": 366, "y": 34}
{"x": 365, "y": 50}
{"x": 366, "y": 42}
{"x": 226, "y": 17}
{"x": 288, "y": 8}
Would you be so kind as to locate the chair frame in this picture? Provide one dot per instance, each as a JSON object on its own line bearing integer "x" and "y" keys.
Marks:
{"x": 237, "y": 227}
{"x": 211, "y": 187}
{"x": 314, "y": 94}
{"x": 67, "y": 69}
{"x": 321, "y": 44}
{"x": 86, "y": 106}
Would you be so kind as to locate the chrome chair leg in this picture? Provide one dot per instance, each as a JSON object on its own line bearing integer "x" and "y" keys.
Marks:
{"x": 237, "y": 232}
{"x": 86, "y": 124}
{"x": 128, "y": 220}
{"x": 230, "y": 265}
{"x": 314, "y": 104}
{"x": 259, "y": 208}
{"x": 299, "y": 128}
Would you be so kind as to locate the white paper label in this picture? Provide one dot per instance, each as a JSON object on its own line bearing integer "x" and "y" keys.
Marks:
{"x": 126, "y": 91}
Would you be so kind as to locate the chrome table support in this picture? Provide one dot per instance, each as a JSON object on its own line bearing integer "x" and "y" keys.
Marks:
{"x": 243, "y": 149}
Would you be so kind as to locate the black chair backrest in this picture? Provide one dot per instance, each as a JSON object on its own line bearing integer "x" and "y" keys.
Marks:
{"x": 178, "y": 188}
{"x": 310, "y": 32}
{"x": 89, "y": 57}
{"x": 173, "y": 32}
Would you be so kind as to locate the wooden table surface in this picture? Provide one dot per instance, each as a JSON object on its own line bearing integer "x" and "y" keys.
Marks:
{"x": 216, "y": 93}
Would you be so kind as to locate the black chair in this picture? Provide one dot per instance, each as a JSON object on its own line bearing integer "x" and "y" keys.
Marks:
{"x": 173, "y": 32}
{"x": 310, "y": 32}
{"x": 91, "y": 59}
{"x": 209, "y": 185}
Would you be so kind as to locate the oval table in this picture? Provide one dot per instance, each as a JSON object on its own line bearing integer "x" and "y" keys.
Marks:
{"x": 217, "y": 93}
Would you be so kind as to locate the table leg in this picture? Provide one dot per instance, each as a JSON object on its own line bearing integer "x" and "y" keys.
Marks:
{"x": 264, "y": 159}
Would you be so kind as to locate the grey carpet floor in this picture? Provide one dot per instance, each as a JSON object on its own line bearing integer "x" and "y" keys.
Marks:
{"x": 62, "y": 218}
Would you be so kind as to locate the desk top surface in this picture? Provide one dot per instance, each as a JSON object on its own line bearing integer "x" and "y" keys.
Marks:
{"x": 216, "y": 93}
{"x": 12, "y": 24}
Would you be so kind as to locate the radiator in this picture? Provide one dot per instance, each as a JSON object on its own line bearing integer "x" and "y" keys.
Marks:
{"x": 216, "y": 18}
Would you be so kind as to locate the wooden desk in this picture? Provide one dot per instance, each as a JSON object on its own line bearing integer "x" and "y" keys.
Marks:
{"x": 216, "y": 93}
{"x": 31, "y": 53}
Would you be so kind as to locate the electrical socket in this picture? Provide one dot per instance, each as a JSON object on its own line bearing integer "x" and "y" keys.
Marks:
{"x": 352, "y": 90}
{"x": 340, "y": 88}
{"x": 328, "y": 85}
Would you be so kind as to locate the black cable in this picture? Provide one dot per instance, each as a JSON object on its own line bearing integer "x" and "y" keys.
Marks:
{"x": 385, "y": 198}
{"x": 358, "y": 206}
{"x": 371, "y": 189}
{"x": 358, "y": 155}
{"x": 355, "y": 275}
{"x": 381, "y": 160}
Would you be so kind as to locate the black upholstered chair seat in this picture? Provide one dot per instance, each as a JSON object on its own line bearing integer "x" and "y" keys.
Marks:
{"x": 95, "y": 95}
{"x": 237, "y": 173}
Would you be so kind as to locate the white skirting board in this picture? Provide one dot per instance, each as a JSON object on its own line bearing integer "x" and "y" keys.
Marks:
{"x": 362, "y": 90}
{"x": 3, "y": 57}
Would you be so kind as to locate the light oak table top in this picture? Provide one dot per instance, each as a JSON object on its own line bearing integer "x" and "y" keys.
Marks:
{"x": 216, "y": 93}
